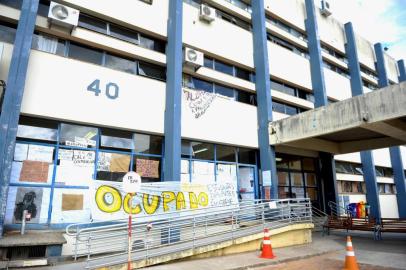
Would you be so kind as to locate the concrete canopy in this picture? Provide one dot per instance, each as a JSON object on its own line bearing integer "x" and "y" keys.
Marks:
{"x": 370, "y": 121}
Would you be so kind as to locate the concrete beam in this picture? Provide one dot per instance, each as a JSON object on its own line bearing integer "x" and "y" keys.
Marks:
{"x": 380, "y": 112}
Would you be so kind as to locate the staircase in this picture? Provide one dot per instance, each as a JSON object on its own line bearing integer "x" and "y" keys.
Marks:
{"x": 319, "y": 218}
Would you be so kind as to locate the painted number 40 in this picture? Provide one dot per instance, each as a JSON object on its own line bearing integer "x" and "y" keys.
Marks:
{"x": 111, "y": 89}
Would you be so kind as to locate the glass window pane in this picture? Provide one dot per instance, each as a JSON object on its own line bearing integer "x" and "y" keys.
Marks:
{"x": 86, "y": 54}
{"x": 297, "y": 179}
{"x": 123, "y": 33}
{"x": 278, "y": 107}
{"x": 147, "y": 144}
{"x": 246, "y": 156}
{"x": 246, "y": 98}
{"x": 48, "y": 44}
{"x": 186, "y": 149}
{"x": 242, "y": 74}
{"x": 282, "y": 163}
{"x": 7, "y": 34}
{"x": 149, "y": 168}
{"x": 310, "y": 179}
{"x": 112, "y": 166}
{"x": 152, "y": 44}
{"x": 37, "y": 133}
{"x": 153, "y": 71}
{"x": 224, "y": 91}
{"x": 12, "y": 3}
{"x": 116, "y": 142}
{"x": 225, "y": 153}
{"x": 283, "y": 192}
{"x": 92, "y": 23}
{"x": 289, "y": 110}
{"x": 311, "y": 193}
{"x": 202, "y": 85}
{"x": 203, "y": 150}
{"x": 76, "y": 167}
{"x": 80, "y": 136}
{"x": 295, "y": 164}
{"x": 308, "y": 164}
{"x": 122, "y": 64}
{"x": 283, "y": 179}
{"x": 222, "y": 67}
{"x": 208, "y": 62}
{"x": 297, "y": 192}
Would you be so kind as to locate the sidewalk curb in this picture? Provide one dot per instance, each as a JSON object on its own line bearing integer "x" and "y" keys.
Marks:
{"x": 252, "y": 266}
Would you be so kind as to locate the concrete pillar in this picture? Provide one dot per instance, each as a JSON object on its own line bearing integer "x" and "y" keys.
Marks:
{"x": 395, "y": 154}
{"x": 13, "y": 97}
{"x": 173, "y": 103}
{"x": 368, "y": 166}
{"x": 263, "y": 89}
{"x": 327, "y": 164}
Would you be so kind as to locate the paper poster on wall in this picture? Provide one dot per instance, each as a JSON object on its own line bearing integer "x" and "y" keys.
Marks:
{"x": 83, "y": 158}
{"x": 40, "y": 153}
{"x": 246, "y": 179}
{"x": 147, "y": 167}
{"x": 65, "y": 154}
{"x": 16, "y": 168}
{"x": 20, "y": 152}
{"x": 34, "y": 171}
{"x": 71, "y": 205}
{"x": 266, "y": 178}
{"x": 226, "y": 173}
{"x": 72, "y": 202}
{"x": 121, "y": 163}
{"x": 28, "y": 199}
{"x": 110, "y": 202}
{"x": 103, "y": 161}
{"x": 69, "y": 173}
{"x": 184, "y": 166}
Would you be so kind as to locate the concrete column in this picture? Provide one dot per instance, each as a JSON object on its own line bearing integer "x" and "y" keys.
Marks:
{"x": 263, "y": 89}
{"x": 368, "y": 166}
{"x": 13, "y": 97}
{"x": 173, "y": 103}
{"x": 327, "y": 164}
{"x": 397, "y": 163}
{"x": 395, "y": 154}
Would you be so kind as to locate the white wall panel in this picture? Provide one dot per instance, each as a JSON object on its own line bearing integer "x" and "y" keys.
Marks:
{"x": 337, "y": 86}
{"x": 219, "y": 37}
{"x": 389, "y": 206}
{"x": 382, "y": 157}
{"x": 56, "y": 87}
{"x": 293, "y": 11}
{"x": 224, "y": 121}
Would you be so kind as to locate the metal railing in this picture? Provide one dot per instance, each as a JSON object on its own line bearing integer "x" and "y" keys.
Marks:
{"x": 319, "y": 218}
{"x": 106, "y": 244}
{"x": 337, "y": 210}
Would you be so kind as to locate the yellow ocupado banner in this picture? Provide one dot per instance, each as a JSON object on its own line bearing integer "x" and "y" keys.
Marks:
{"x": 111, "y": 202}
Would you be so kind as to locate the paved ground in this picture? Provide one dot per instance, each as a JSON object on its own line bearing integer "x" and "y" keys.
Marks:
{"x": 326, "y": 253}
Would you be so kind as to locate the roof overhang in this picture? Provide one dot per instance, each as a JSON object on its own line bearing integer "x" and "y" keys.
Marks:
{"x": 370, "y": 121}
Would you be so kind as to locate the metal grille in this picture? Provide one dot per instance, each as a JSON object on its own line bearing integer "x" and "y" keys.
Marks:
{"x": 14, "y": 253}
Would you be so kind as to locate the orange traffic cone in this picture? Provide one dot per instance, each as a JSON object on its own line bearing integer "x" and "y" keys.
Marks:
{"x": 350, "y": 260}
{"x": 266, "y": 246}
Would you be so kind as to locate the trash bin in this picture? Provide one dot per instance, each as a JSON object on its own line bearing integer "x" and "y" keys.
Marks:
{"x": 359, "y": 210}
{"x": 363, "y": 209}
{"x": 352, "y": 208}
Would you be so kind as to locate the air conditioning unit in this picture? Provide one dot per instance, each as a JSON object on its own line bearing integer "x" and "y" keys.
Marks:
{"x": 207, "y": 13}
{"x": 193, "y": 58}
{"x": 63, "y": 15}
{"x": 325, "y": 8}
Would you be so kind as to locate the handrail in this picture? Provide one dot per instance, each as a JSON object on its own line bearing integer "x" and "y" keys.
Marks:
{"x": 106, "y": 244}
{"x": 335, "y": 209}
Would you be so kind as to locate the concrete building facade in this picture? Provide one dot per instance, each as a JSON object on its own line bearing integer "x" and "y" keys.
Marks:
{"x": 84, "y": 105}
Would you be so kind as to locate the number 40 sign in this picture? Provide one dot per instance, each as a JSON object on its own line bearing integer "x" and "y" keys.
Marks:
{"x": 111, "y": 89}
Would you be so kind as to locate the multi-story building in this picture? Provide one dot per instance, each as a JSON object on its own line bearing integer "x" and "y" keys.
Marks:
{"x": 95, "y": 104}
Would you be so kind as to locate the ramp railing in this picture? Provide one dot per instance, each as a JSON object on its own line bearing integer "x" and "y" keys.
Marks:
{"x": 107, "y": 244}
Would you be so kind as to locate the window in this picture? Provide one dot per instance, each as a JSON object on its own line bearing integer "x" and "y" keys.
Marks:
{"x": 92, "y": 23}
{"x": 37, "y": 130}
{"x": 202, "y": 85}
{"x": 234, "y": 20}
{"x": 153, "y": 71}
{"x": 149, "y": 168}
{"x": 246, "y": 156}
{"x": 247, "y": 98}
{"x": 224, "y": 91}
{"x": 112, "y": 166}
{"x": 113, "y": 139}
{"x": 85, "y": 53}
{"x": 284, "y": 108}
{"x": 209, "y": 62}
{"x": 225, "y": 153}
{"x": 152, "y": 44}
{"x": 124, "y": 34}
{"x": 222, "y": 67}
{"x": 78, "y": 136}
{"x": 242, "y": 74}
{"x": 287, "y": 45}
{"x": 147, "y": 144}
{"x": 7, "y": 32}
{"x": 122, "y": 64}
{"x": 48, "y": 44}
{"x": 202, "y": 150}
{"x": 12, "y": 3}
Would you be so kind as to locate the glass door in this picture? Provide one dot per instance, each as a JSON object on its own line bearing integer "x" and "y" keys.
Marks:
{"x": 246, "y": 182}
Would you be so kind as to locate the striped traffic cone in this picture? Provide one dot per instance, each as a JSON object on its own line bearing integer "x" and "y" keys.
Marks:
{"x": 350, "y": 260}
{"x": 266, "y": 246}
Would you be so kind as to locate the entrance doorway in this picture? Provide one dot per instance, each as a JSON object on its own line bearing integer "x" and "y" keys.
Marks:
{"x": 247, "y": 180}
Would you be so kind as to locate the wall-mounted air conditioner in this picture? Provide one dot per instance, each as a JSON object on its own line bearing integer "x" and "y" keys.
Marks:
{"x": 193, "y": 58}
{"x": 63, "y": 15}
{"x": 207, "y": 13}
{"x": 325, "y": 8}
